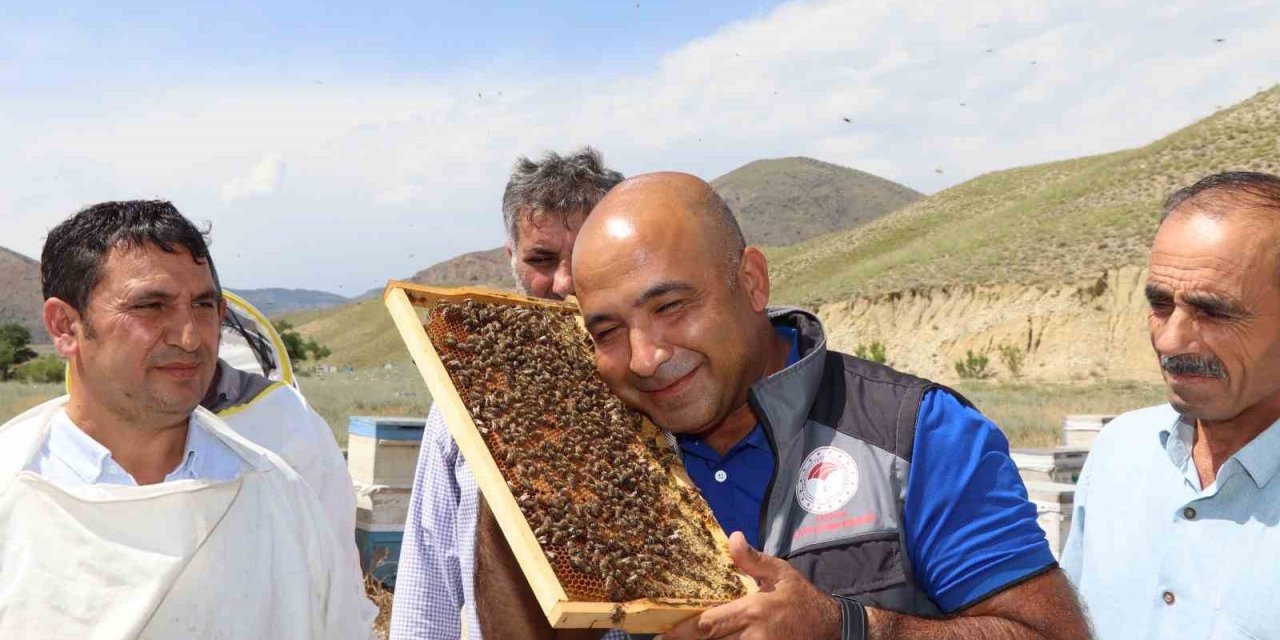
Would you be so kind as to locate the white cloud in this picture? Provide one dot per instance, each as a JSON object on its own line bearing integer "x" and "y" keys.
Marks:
{"x": 381, "y": 171}
{"x": 264, "y": 179}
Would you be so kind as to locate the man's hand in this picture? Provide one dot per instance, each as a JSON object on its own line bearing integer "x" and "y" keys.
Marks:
{"x": 787, "y": 607}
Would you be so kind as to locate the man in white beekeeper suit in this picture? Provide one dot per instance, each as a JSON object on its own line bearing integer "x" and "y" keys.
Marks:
{"x": 125, "y": 510}
{"x": 275, "y": 415}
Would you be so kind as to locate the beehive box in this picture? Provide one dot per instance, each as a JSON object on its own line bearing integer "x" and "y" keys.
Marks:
{"x": 1081, "y": 430}
{"x": 382, "y": 450}
{"x": 1056, "y": 464}
{"x": 598, "y": 511}
{"x": 1054, "y": 503}
{"x": 380, "y": 507}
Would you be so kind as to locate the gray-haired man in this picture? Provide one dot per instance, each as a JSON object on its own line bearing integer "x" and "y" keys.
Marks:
{"x": 544, "y": 204}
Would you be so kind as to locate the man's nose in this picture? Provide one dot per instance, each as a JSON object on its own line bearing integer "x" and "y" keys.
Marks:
{"x": 1177, "y": 334}
{"x": 184, "y": 329}
{"x": 562, "y": 281}
{"x": 648, "y": 352}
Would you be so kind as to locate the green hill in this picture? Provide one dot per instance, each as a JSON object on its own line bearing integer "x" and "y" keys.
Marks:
{"x": 777, "y": 202}
{"x": 360, "y": 334}
{"x": 1061, "y": 222}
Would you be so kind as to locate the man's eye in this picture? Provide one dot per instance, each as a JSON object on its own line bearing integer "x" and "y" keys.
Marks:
{"x": 603, "y": 334}
{"x": 539, "y": 261}
{"x": 670, "y": 306}
{"x": 147, "y": 306}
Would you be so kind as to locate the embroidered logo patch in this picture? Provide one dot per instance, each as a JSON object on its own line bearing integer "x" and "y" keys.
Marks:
{"x": 828, "y": 478}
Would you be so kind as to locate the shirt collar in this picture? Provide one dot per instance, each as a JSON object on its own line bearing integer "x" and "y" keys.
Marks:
{"x": 756, "y": 437}
{"x": 1260, "y": 458}
{"x": 694, "y": 445}
{"x": 90, "y": 460}
{"x": 84, "y": 456}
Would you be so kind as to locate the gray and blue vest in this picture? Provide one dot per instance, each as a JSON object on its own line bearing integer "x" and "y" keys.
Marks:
{"x": 842, "y": 430}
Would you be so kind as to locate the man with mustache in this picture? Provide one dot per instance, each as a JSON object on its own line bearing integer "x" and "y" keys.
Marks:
{"x": 126, "y": 510}
{"x": 453, "y": 555}
{"x": 885, "y": 506}
{"x": 1174, "y": 532}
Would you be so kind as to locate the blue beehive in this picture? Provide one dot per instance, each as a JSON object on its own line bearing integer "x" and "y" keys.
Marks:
{"x": 380, "y": 554}
{"x": 382, "y": 456}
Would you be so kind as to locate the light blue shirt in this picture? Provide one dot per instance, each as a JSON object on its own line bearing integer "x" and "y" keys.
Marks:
{"x": 1157, "y": 556}
{"x": 71, "y": 458}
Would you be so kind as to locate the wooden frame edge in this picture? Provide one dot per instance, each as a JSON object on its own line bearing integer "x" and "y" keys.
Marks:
{"x": 524, "y": 546}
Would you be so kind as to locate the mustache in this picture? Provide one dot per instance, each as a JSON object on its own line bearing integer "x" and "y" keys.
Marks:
{"x": 1193, "y": 365}
{"x": 176, "y": 358}
{"x": 679, "y": 366}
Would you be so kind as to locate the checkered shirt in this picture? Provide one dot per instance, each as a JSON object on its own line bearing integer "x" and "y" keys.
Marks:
{"x": 435, "y": 579}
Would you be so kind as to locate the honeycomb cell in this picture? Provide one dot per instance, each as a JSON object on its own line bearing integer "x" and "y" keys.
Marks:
{"x": 596, "y": 483}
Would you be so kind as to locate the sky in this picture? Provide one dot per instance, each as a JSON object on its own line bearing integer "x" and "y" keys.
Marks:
{"x": 332, "y": 146}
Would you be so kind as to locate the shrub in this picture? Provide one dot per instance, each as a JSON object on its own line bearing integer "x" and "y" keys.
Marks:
{"x": 873, "y": 352}
{"x": 1013, "y": 358}
{"x": 41, "y": 370}
{"x": 973, "y": 366}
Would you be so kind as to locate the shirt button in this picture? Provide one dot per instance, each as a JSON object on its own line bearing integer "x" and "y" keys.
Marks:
{"x": 1168, "y": 597}
{"x": 1189, "y": 513}
{"x": 721, "y": 476}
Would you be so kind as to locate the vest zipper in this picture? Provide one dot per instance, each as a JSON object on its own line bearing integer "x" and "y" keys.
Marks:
{"x": 773, "y": 447}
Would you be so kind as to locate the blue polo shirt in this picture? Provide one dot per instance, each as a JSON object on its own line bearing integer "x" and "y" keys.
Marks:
{"x": 969, "y": 527}
{"x": 734, "y": 484}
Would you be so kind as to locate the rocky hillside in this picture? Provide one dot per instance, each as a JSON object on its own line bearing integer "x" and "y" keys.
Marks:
{"x": 1046, "y": 258}
{"x": 777, "y": 202}
{"x": 788, "y": 200}
{"x": 488, "y": 268}
{"x": 20, "y": 297}
{"x": 1062, "y": 222}
{"x": 273, "y": 302}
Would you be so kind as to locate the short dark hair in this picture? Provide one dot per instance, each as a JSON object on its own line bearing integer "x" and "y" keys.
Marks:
{"x": 75, "y": 251}
{"x": 556, "y": 184}
{"x": 1258, "y": 192}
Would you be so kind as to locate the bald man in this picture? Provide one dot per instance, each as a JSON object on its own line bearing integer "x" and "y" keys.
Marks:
{"x": 884, "y": 505}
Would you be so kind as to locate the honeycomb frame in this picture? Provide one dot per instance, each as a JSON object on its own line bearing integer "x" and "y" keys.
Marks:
{"x": 407, "y": 304}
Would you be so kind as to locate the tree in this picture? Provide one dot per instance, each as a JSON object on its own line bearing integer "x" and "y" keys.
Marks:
{"x": 300, "y": 349}
{"x": 317, "y": 351}
{"x": 14, "y": 339}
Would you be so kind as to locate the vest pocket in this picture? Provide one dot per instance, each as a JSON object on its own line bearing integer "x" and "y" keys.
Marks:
{"x": 851, "y": 567}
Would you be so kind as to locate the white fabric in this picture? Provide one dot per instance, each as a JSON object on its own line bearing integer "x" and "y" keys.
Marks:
{"x": 234, "y": 347}
{"x": 248, "y": 558}
{"x": 280, "y": 421}
{"x": 70, "y": 457}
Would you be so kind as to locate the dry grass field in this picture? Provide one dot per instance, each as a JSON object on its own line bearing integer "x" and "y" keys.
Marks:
{"x": 398, "y": 391}
{"x": 1030, "y": 415}
{"x": 16, "y": 397}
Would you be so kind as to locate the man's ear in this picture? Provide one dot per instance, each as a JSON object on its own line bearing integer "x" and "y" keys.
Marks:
{"x": 753, "y": 277}
{"x": 63, "y": 324}
{"x": 509, "y": 248}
